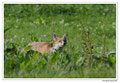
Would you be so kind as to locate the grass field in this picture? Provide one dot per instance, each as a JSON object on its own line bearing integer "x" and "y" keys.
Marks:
{"x": 90, "y": 51}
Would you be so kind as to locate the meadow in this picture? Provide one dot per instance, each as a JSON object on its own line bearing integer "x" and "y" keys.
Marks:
{"x": 90, "y": 51}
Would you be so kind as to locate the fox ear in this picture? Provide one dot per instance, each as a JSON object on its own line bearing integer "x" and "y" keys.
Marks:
{"x": 54, "y": 36}
{"x": 65, "y": 37}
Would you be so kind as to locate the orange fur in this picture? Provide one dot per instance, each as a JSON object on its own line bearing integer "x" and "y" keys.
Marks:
{"x": 42, "y": 47}
{"x": 48, "y": 47}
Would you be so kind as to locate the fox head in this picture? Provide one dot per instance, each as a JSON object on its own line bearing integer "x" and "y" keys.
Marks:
{"x": 59, "y": 42}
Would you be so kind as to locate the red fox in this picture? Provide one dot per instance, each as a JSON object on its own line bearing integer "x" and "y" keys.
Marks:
{"x": 48, "y": 47}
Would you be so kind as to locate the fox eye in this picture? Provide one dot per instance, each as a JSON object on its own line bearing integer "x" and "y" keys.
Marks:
{"x": 59, "y": 40}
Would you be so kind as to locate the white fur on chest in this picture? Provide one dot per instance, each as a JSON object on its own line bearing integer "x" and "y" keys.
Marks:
{"x": 56, "y": 47}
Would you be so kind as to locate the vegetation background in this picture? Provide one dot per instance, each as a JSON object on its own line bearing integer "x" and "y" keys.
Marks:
{"x": 90, "y": 51}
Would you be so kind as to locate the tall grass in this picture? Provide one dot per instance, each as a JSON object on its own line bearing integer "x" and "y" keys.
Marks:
{"x": 90, "y": 51}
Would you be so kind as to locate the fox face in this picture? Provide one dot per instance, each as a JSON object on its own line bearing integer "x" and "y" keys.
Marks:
{"x": 59, "y": 42}
{"x": 49, "y": 47}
